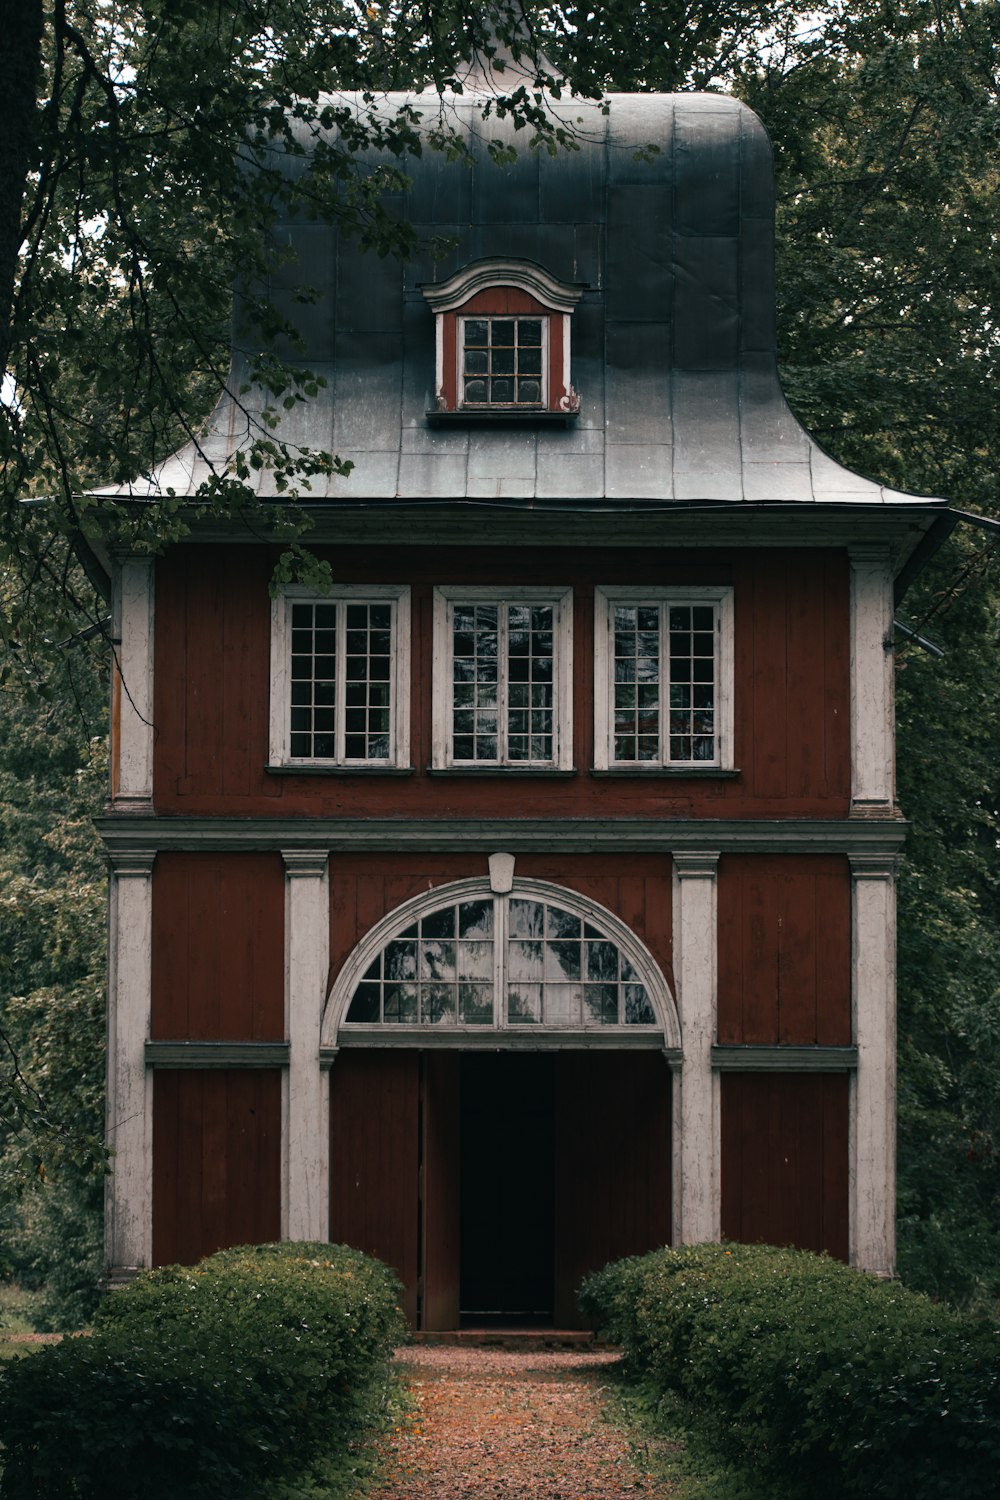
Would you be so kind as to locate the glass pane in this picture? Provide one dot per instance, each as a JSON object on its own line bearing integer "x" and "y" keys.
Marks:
{"x": 525, "y": 960}
{"x": 437, "y": 1004}
{"x": 475, "y": 331}
{"x": 529, "y": 331}
{"x": 562, "y": 960}
{"x": 437, "y": 960}
{"x": 524, "y": 1003}
{"x": 475, "y": 1004}
{"x": 400, "y": 960}
{"x": 638, "y": 1011}
{"x": 502, "y": 330}
{"x": 475, "y": 919}
{"x": 526, "y": 919}
{"x": 475, "y": 960}
{"x": 439, "y": 924}
{"x": 563, "y": 1004}
{"x": 365, "y": 1005}
{"x": 400, "y": 1003}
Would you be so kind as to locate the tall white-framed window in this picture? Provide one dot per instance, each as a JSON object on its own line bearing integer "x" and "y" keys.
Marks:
{"x": 340, "y": 677}
{"x": 663, "y": 678}
{"x": 503, "y": 669}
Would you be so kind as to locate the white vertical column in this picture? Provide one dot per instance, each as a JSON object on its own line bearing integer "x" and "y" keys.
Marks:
{"x": 873, "y": 1090}
{"x": 132, "y": 686}
{"x": 695, "y": 970}
{"x": 128, "y": 1192}
{"x": 305, "y": 1154}
{"x": 872, "y": 698}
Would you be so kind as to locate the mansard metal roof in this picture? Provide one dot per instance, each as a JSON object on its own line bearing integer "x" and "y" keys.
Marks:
{"x": 673, "y": 336}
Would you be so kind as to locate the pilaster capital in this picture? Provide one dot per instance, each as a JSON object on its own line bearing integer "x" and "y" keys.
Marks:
{"x": 305, "y": 862}
{"x": 131, "y": 863}
{"x": 868, "y": 555}
{"x": 696, "y": 864}
{"x": 873, "y": 866}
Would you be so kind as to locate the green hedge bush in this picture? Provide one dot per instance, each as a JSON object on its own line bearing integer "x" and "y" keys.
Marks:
{"x": 820, "y": 1380}
{"x": 205, "y": 1381}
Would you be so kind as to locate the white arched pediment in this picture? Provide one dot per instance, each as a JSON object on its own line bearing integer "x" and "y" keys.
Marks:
{"x": 464, "y": 962}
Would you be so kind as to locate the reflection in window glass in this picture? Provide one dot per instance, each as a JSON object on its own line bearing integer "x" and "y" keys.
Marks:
{"x": 341, "y": 668}
{"x": 658, "y": 646}
{"x": 437, "y": 972}
{"x": 556, "y": 970}
{"x": 503, "y": 668}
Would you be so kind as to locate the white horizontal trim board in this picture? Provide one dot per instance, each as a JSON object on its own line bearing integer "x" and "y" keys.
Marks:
{"x": 878, "y": 837}
{"x": 783, "y": 1059}
{"x": 173, "y": 1054}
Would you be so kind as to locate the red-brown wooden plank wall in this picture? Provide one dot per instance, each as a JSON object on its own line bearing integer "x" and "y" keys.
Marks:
{"x": 792, "y": 696}
{"x": 612, "y": 1165}
{"x": 218, "y": 947}
{"x": 785, "y": 1160}
{"x": 374, "y": 1159}
{"x": 366, "y": 887}
{"x": 784, "y": 949}
{"x": 216, "y": 1161}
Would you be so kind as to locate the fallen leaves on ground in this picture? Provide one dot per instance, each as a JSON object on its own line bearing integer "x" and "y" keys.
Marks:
{"x": 492, "y": 1424}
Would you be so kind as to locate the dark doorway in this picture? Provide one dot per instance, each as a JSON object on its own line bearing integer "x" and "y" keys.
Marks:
{"x": 507, "y": 1190}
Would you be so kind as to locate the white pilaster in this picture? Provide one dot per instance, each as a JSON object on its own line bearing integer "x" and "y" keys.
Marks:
{"x": 695, "y": 970}
{"x": 129, "y": 1228}
{"x": 305, "y": 1133}
{"x": 872, "y": 698}
{"x": 132, "y": 686}
{"x": 873, "y": 1102}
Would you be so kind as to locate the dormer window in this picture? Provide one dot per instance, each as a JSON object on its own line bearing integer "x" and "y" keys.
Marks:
{"x": 503, "y": 342}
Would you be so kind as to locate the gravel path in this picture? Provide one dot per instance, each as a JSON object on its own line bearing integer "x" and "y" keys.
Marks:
{"x": 492, "y": 1424}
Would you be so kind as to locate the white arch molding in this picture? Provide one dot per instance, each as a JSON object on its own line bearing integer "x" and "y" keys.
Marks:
{"x": 664, "y": 1034}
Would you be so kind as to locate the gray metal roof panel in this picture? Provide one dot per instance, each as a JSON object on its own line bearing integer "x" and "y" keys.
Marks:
{"x": 673, "y": 340}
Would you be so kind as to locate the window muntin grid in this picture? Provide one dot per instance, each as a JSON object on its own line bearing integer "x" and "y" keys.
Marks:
{"x": 502, "y": 361}
{"x": 341, "y": 687}
{"x": 503, "y": 683}
{"x": 551, "y": 967}
{"x": 564, "y": 971}
{"x": 665, "y": 670}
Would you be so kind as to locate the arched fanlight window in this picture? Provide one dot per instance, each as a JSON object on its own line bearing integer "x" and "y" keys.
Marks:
{"x": 538, "y": 958}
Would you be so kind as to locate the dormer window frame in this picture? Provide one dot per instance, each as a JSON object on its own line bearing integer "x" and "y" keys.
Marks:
{"x": 497, "y": 291}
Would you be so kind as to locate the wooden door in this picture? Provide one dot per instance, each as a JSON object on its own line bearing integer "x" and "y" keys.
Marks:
{"x": 612, "y": 1164}
{"x": 375, "y": 1159}
{"x": 440, "y": 1185}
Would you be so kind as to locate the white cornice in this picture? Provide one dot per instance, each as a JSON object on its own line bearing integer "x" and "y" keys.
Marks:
{"x": 880, "y": 839}
{"x": 479, "y": 275}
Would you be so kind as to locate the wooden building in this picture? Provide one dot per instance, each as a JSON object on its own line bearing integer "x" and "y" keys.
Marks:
{"x": 527, "y": 900}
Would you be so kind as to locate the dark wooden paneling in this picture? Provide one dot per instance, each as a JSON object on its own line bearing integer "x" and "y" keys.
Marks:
{"x": 374, "y": 1159}
{"x": 784, "y": 949}
{"x": 216, "y": 1161}
{"x": 791, "y": 709}
{"x": 218, "y": 947}
{"x": 785, "y": 1160}
{"x": 441, "y": 1170}
{"x": 612, "y": 1164}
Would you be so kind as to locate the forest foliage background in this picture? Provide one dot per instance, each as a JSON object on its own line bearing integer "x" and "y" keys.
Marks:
{"x": 126, "y": 213}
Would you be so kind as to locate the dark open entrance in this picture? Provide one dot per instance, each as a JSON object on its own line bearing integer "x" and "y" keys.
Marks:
{"x": 507, "y": 1190}
{"x": 493, "y": 1183}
